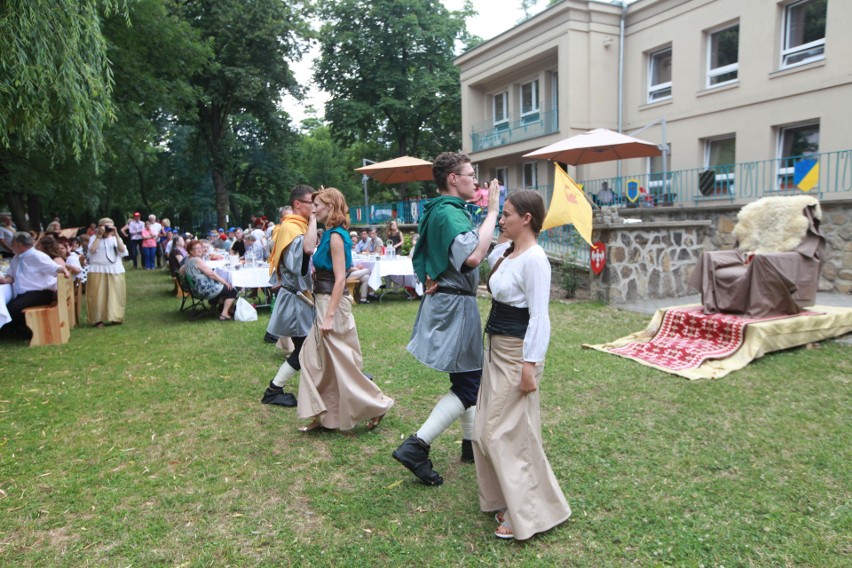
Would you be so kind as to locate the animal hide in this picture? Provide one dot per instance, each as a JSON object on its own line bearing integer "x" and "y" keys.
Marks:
{"x": 774, "y": 224}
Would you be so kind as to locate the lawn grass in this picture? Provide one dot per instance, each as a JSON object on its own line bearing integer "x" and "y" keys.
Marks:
{"x": 145, "y": 444}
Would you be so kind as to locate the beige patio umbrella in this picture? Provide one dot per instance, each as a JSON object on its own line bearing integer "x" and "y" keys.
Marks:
{"x": 399, "y": 170}
{"x": 599, "y": 145}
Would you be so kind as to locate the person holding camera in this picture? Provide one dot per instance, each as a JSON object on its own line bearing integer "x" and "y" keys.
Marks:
{"x": 105, "y": 290}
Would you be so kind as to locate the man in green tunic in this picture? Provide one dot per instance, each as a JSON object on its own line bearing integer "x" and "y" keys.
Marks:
{"x": 447, "y": 334}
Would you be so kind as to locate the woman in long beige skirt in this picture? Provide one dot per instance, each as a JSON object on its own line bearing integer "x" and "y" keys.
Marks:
{"x": 514, "y": 475}
{"x": 106, "y": 295}
{"x": 332, "y": 389}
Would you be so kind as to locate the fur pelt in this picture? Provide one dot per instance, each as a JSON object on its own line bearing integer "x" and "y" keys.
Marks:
{"x": 774, "y": 224}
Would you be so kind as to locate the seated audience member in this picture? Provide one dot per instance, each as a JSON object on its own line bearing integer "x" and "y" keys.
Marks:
{"x": 375, "y": 242}
{"x": 50, "y": 246}
{"x": 32, "y": 275}
{"x": 353, "y": 236}
{"x": 7, "y": 231}
{"x": 204, "y": 281}
{"x": 414, "y": 238}
{"x": 605, "y": 195}
{"x": 363, "y": 246}
{"x": 254, "y": 249}
{"x": 73, "y": 261}
{"x": 362, "y": 273}
{"x": 239, "y": 246}
{"x": 177, "y": 254}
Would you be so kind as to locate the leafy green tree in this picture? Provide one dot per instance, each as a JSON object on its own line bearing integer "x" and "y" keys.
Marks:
{"x": 55, "y": 88}
{"x": 252, "y": 43}
{"x": 152, "y": 60}
{"x": 388, "y": 68}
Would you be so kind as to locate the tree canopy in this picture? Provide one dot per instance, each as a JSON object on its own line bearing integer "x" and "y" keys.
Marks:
{"x": 388, "y": 67}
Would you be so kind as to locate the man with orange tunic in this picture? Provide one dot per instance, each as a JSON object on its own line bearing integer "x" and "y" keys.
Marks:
{"x": 295, "y": 239}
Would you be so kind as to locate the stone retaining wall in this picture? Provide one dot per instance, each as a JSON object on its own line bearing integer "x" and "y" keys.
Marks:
{"x": 652, "y": 259}
{"x": 647, "y": 260}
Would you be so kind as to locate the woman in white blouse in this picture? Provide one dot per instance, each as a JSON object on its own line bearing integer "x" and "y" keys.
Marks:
{"x": 106, "y": 296}
{"x": 515, "y": 478}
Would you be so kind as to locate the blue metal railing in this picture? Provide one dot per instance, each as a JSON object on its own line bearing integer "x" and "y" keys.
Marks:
{"x": 488, "y": 135}
{"x": 734, "y": 182}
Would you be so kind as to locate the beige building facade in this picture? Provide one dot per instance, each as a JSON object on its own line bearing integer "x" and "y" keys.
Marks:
{"x": 744, "y": 89}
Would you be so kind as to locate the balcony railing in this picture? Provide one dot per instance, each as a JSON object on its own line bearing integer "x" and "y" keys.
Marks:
{"x": 734, "y": 182}
{"x": 531, "y": 125}
{"x": 741, "y": 182}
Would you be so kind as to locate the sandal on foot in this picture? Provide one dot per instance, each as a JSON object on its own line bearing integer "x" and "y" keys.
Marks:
{"x": 500, "y": 516}
{"x": 315, "y": 425}
{"x": 374, "y": 422}
{"x": 504, "y": 531}
{"x": 224, "y": 318}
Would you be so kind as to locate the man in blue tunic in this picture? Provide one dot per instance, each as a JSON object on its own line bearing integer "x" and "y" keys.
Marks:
{"x": 295, "y": 239}
{"x": 447, "y": 333}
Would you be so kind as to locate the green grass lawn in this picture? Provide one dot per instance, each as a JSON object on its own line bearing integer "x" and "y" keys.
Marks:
{"x": 146, "y": 445}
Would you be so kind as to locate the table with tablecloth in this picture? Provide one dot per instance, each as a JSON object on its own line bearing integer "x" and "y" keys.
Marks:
{"x": 5, "y": 298}
{"x": 398, "y": 270}
{"x": 249, "y": 279}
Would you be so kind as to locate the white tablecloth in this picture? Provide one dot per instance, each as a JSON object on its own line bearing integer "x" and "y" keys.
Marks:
{"x": 5, "y": 296}
{"x": 399, "y": 270}
{"x": 246, "y": 277}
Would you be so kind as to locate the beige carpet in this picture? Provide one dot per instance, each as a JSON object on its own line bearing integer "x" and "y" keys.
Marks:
{"x": 759, "y": 338}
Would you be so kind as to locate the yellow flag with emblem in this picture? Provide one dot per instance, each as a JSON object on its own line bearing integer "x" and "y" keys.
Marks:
{"x": 569, "y": 205}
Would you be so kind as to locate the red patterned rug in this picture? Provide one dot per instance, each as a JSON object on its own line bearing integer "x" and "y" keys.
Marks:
{"x": 687, "y": 337}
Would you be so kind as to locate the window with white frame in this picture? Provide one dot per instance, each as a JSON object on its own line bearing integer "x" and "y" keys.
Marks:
{"x": 799, "y": 141}
{"x": 723, "y": 56}
{"x": 529, "y": 102}
{"x": 501, "y": 110}
{"x": 804, "y": 32}
{"x": 530, "y": 175}
{"x": 795, "y": 143}
{"x": 660, "y": 75}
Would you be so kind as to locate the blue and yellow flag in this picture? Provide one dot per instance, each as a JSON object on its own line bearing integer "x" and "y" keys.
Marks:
{"x": 569, "y": 205}
{"x": 806, "y": 174}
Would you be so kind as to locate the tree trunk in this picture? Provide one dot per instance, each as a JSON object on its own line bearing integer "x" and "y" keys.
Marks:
{"x": 34, "y": 210}
{"x": 15, "y": 202}
{"x": 221, "y": 187}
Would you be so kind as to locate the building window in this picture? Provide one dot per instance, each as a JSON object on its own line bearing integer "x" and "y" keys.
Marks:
{"x": 799, "y": 141}
{"x": 502, "y": 175}
{"x": 501, "y": 110}
{"x": 795, "y": 143}
{"x": 723, "y": 56}
{"x": 530, "y": 175}
{"x": 720, "y": 158}
{"x": 529, "y": 102}
{"x": 660, "y": 75}
{"x": 804, "y": 32}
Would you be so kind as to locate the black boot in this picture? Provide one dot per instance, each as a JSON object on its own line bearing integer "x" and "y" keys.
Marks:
{"x": 269, "y": 338}
{"x": 276, "y": 395}
{"x": 414, "y": 454}
{"x": 467, "y": 452}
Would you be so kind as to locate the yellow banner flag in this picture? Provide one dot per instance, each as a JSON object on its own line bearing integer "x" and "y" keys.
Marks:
{"x": 568, "y": 205}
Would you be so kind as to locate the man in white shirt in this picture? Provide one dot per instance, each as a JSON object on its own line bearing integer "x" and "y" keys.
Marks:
{"x": 32, "y": 275}
{"x": 363, "y": 245}
{"x": 375, "y": 242}
{"x": 133, "y": 229}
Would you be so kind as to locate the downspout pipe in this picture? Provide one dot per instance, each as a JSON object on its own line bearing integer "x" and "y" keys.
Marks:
{"x": 621, "y": 73}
